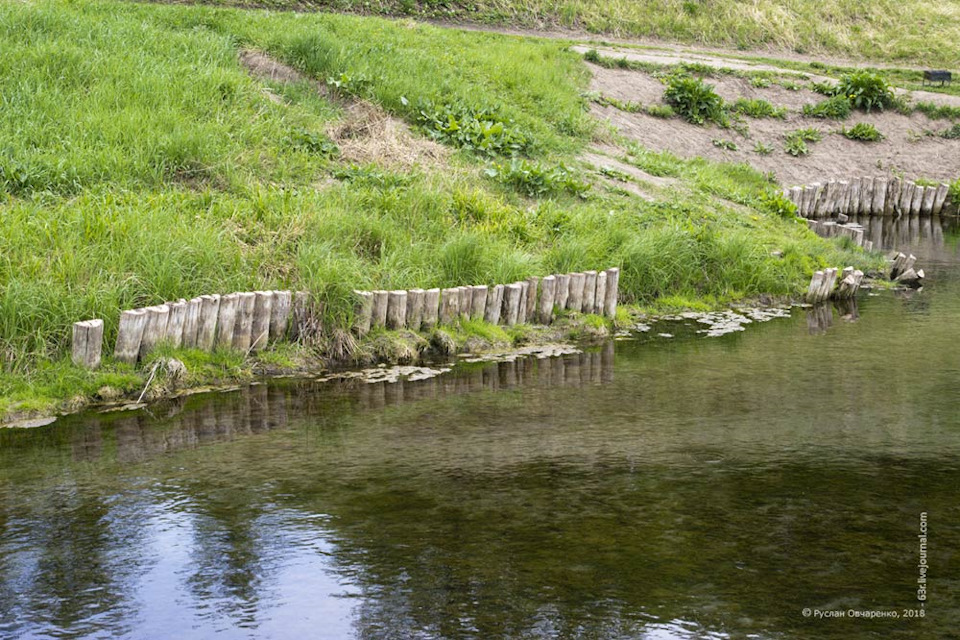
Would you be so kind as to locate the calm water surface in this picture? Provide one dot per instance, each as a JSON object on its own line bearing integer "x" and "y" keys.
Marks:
{"x": 689, "y": 487}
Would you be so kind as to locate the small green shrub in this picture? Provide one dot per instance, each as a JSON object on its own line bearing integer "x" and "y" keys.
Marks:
{"x": 952, "y": 133}
{"x": 729, "y": 145}
{"x": 536, "y": 179}
{"x": 863, "y": 132}
{"x": 936, "y": 111}
{"x": 695, "y": 101}
{"x": 790, "y": 86}
{"x": 865, "y": 90}
{"x": 807, "y": 134}
{"x": 762, "y": 149}
{"x": 659, "y": 111}
{"x": 824, "y": 88}
{"x": 592, "y": 56}
{"x": 478, "y": 129}
{"x": 837, "y": 108}
{"x": 758, "y": 109}
{"x": 796, "y": 141}
{"x": 759, "y": 82}
{"x": 778, "y": 204}
{"x": 313, "y": 142}
{"x": 954, "y": 192}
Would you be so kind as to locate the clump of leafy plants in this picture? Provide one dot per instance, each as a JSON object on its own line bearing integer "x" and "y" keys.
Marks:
{"x": 536, "y": 179}
{"x": 313, "y": 142}
{"x": 865, "y": 90}
{"x": 762, "y": 149}
{"x": 863, "y": 132}
{"x": 836, "y": 108}
{"x": 789, "y": 85}
{"x": 952, "y": 133}
{"x": 758, "y": 109}
{"x": 695, "y": 101}
{"x": 592, "y": 56}
{"x": 729, "y": 145}
{"x": 478, "y": 129}
{"x": 778, "y": 204}
{"x": 759, "y": 82}
{"x": 795, "y": 143}
{"x": 823, "y": 88}
{"x": 936, "y": 111}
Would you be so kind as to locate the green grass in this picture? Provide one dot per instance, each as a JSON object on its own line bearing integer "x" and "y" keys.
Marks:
{"x": 757, "y": 108}
{"x": 141, "y": 163}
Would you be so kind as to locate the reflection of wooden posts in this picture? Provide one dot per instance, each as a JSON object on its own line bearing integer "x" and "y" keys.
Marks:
{"x": 129, "y": 335}
{"x": 494, "y": 304}
{"x": 243, "y": 328}
{"x": 87, "y": 343}
{"x": 548, "y": 289}
{"x": 207, "y": 325}
{"x": 607, "y": 357}
{"x": 478, "y": 302}
{"x": 415, "y": 299}
{"x": 227, "y": 319}
{"x": 396, "y": 309}
{"x": 431, "y": 308}
{"x": 379, "y": 315}
{"x": 363, "y": 312}
{"x": 262, "y": 308}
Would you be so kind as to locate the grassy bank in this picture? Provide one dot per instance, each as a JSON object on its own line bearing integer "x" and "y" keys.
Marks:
{"x": 141, "y": 162}
{"x": 919, "y": 31}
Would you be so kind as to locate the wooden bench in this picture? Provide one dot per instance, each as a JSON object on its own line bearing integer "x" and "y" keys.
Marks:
{"x": 943, "y": 77}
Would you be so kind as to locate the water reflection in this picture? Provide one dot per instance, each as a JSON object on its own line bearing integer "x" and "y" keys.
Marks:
{"x": 927, "y": 235}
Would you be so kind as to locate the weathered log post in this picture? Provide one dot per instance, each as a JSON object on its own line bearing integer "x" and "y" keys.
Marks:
{"x": 176, "y": 317}
{"x": 191, "y": 321}
{"x": 533, "y": 287}
{"x": 227, "y": 319}
{"x": 466, "y": 301}
{"x": 879, "y": 196}
{"x": 613, "y": 286}
{"x": 601, "y": 297}
{"x": 415, "y": 300}
{"x": 893, "y": 196}
{"x": 816, "y": 283}
{"x": 866, "y": 195}
{"x": 478, "y": 302}
{"x": 280, "y": 314}
{"x": 522, "y": 311}
{"x": 129, "y": 335}
{"x": 379, "y": 315}
{"x": 155, "y": 329}
{"x": 940, "y": 199}
{"x": 911, "y": 278}
{"x": 854, "y": 207}
{"x": 929, "y": 197}
{"x": 906, "y": 197}
{"x": 431, "y": 308}
{"x": 575, "y": 298}
{"x": 494, "y": 304}
{"x": 816, "y": 190}
{"x": 362, "y": 313}
{"x": 796, "y": 197}
{"x": 589, "y": 291}
{"x": 87, "y": 343}
{"x": 829, "y": 280}
{"x": 207, "y": 325}
{"x": 563, "y": 291}
{"x": 918, "y": 192}
{"x": 302, "y": 316}
{"x": 396, "y": 309}
{"x": 262, "y": 310}
{"x": 548, "y": 292}
{"x": 449, "y": 305}
{"x": 511, "y": 303}
{"x": 902, "y": 264}
{"x": 243, "y": 328}
{"x": 843, "y": 199}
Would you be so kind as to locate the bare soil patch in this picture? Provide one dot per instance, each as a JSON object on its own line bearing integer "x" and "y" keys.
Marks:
{"x": 905, "y": 151}
{"x": 366, "y": 133}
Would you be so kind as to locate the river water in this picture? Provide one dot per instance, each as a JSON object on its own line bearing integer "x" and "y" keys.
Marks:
{"x": 656, "y": 487}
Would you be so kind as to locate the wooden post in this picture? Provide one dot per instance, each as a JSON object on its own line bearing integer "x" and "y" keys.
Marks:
{"x": 816, "y": 282}
{"x": 362, "y": 313}
{"x": 522, "y": 311}
{"x": 940, "y": 199}
{"x": 466, "y": 300}
{"x": 902, "y": 264}
{"x": 843, "y": 196}
{"x": 280, "y": 314}
{"x": 511, "y": 303}
{"x": 911, "y": 278}
{"x": 87, "y": 343}
{"x": 301, "y": 316}
{"x": 175, "y": 321}
{"x": 796, "y": 197}
{"x": 431, "y": 308}
{"x": 397, "y": 309}
{"x": 866, "y": 195}
{"x": 589, "y": 291}
{"x": 854, "y": 206}
{"x": 243, "y": 328}
{"x": 906, "y": 197}
{"x": 415, "y": 309}
{"x": 548, "y": 291}
{"x": 879, "y": 196}
{"x": 575, "y": 299}
{"x": 893, "y": 196}
{"x": 449, "y": 305}
{"x": 494, "y": 304}
{"x": 917, "y": 200}
{"x": 132, "y": 324}
{"x": 207, "y": 324}
{"x": 155, "y": 329}
{"x": 830, "y": 198}
{"x": 613, "y": 286}
{"x": 601, "y": 293}
{"x": 191, "y": 321}
{"x": 929, "y": 196}
{"x": 817, "y": 191}
{"x": 227, "y": 319}
{"x": 533, "y": 283}
{"x": 379, "y": 317}
{"x": 478, "y": 302}
{"x": 563, "y": 291}
{"x": 262, "y": 310}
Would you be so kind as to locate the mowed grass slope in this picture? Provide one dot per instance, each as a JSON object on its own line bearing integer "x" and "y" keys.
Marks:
{"x": 917, "y": 31}
{"x": 141, "y": 163}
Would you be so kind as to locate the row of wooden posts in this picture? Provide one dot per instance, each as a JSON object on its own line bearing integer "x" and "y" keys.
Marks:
{"x": 249, "y": 321}
{"x": 873, "y": 196}
{"x": 823, "y": 285}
